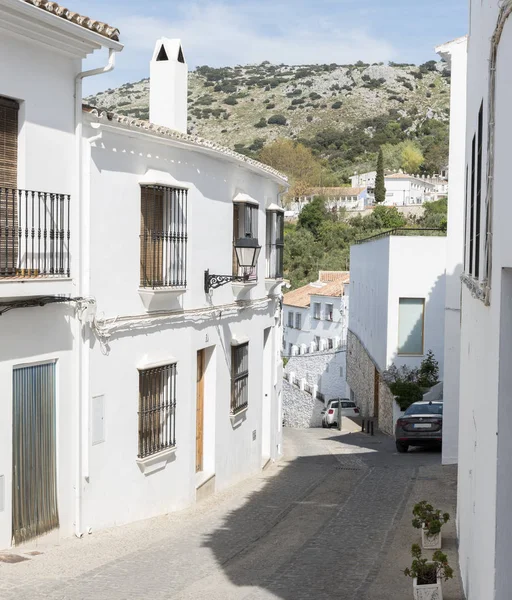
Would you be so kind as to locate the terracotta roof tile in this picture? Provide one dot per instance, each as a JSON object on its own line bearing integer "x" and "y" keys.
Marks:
{"x": 343, "y": 276}
{"x": 301, "y": 296}
{"x": 96, "y": 26}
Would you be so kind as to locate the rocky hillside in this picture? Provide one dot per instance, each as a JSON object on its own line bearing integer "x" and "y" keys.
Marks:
{"x": 246, "y": 107}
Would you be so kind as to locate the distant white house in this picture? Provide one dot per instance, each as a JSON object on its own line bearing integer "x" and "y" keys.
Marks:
{"x": 363, "y": 179}
{"x": 315, "y": 331}
{"x": 316, "y": 315}
{"x": 403, "y": 190}
{"x": 336, "y": 198}
{"x": 397, "y": 305}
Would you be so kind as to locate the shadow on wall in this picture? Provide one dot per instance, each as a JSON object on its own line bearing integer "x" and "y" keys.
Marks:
{"x": 420, "y": 329}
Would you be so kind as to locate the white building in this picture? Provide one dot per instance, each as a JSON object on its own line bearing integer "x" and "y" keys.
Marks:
{"x": 403, "y": 189}
{"x": 336, "y": 199}
{"x": 397, "y": 289}
{"x": 485, "y": 441}
{"x": 364, "y": 179}
{"x": 316, "y": 315}
{"x": 160, "y": 388}
{"x": 455, "y": 54}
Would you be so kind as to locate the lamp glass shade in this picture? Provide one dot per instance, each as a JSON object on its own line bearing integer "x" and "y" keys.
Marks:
{"x": 247, "y": 252}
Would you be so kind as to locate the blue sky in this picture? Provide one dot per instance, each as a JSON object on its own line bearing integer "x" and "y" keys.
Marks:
{"x": 229, "y": 32}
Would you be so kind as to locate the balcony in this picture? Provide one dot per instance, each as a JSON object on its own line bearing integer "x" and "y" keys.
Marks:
{"x": 34, "y": 242}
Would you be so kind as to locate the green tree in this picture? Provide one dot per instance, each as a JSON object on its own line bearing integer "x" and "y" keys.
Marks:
{"x": 313, "y": 215}
{"x": 380, "y": 188}
{"x": 435, "y": 214}
{"x": 412, "y": 158}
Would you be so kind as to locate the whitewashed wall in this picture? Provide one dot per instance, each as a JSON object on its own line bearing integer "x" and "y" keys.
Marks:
{"x": 456, "y": 54}
{"x": 236, "y": 449}
{"x": 485, "y": 418}
{"x": 326, "y": 370}
{"x": 41, "y": 79}
{"x": 382, "y": 272}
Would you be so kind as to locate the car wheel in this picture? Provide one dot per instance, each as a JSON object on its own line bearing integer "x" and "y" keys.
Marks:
{"x": 401, "y": 447}
{"x": 324, "y": 425}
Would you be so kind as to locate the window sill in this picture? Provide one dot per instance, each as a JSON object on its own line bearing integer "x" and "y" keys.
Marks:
{"x": 271, "y": 284}
{"x": 238, "y": 417}
{"x": 240, "y": 287}
{"x": 161, "y": 298}
{"x": 156, "y": 462}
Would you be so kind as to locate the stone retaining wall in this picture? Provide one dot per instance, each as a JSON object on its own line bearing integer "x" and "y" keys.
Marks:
{"x": 300, "y": 409}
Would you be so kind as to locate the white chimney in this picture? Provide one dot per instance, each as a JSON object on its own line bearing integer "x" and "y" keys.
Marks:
{"x": 168, "y": 87}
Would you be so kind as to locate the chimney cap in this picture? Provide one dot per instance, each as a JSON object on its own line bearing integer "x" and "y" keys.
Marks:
{"x": 167, "y": 49}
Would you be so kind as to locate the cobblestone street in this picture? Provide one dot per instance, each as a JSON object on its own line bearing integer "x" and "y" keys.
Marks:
{"x": 330, "y": 521}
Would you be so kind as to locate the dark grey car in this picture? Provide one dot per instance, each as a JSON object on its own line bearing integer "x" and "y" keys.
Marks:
{"x": 421, "y": 425}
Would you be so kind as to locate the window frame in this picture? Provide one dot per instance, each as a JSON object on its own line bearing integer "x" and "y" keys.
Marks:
{"x": 329, "y": 314}
{"x": 245, "y": 219}
{"x": 317, "y": 314}
{"x": 422, "y": 353}
{"x": 163, "y": 236}
{"x": 291, "y": 318}
{"x": 274, "y": 244}
{"x": 298, "y": 320}
{"x": 236, "y": 406}
{"x": 150, "y": 440}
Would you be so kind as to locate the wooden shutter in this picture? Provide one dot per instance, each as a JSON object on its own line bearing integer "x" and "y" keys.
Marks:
{"x": 151, "y": 237}
{"x": 8, "y": 183}
{"x": 8, "y": 143}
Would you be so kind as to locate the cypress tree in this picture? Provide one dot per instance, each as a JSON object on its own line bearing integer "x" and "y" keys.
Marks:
{"x": 380, "y": 188}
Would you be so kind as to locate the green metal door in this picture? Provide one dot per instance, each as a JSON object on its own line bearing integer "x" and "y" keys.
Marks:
{"x": 34, "y": 487}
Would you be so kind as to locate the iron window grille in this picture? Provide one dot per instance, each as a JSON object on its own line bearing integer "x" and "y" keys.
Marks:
{"x": 34, "y": 234}
{"x": 275, "y": 244}
{"x": 240, "y": 378}
{"x": 245, "y": 225}
{"x": 298, "y": 320}
{"x": 163, "y": 237}
{"x": 290, "y": 319}
{"x": 157, "y": 410}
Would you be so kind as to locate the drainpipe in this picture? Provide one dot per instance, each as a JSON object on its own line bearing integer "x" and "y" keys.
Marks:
{"x": 82, "y": 270}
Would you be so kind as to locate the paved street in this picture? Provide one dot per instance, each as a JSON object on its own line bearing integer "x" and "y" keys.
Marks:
{"x": 330, "y": 521}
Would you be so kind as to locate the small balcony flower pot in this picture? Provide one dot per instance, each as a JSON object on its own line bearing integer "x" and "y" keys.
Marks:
{"x": 429, "y": 591}
{"x": 430, "y": 542}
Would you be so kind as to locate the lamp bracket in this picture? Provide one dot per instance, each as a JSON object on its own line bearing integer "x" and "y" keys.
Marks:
{"x": 212, "y": 282}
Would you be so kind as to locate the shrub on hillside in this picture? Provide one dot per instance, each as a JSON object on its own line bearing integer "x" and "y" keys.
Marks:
{"x": 337, "y": 105}
{"x": 231, "y": 101}
{"x": 277, "y": 120}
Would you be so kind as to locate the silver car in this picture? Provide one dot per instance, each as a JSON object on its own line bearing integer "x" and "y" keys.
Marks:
{"x": 420, "y": 425}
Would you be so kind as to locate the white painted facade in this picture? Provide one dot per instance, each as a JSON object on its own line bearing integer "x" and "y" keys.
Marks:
{"x": 485, "y": 447}
{"x": 403, "y": 189}
{"x": 364, "y": 179}
{"x": 124, "y": 328}
{"x": 455, "y": 53}
{"x": 383, "y": 271}
{"x": 323, "y": 323}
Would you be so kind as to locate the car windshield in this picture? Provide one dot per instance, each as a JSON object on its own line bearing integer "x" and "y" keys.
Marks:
{"x": 424, "y": 409}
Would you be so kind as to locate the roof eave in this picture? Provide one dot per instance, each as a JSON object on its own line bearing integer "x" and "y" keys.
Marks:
{"x": 19, "y": 17}
{"x": 183, "y": 140}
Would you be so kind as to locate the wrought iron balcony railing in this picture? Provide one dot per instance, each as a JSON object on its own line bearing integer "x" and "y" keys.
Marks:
{"x": 34, "y": 234}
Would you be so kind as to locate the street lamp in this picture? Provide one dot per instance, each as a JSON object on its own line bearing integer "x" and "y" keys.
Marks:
{"x": 247, "y": 251}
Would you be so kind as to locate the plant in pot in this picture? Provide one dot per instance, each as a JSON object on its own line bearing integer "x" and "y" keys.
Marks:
{"x": 429, "y": 520}
{"x": 428, "y": 575}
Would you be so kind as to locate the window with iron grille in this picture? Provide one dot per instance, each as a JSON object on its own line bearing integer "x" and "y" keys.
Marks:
{"x": 163, "y": 237}
{"x": 290, "y": 319}
{"x": 245, "y": 224}
{"x": 275, "y": 244}
{"x": 239, "y": 378}
{"x": 330, "y": 343}
{"x": 157, "y": 409}
{"x": 298, "y": 321}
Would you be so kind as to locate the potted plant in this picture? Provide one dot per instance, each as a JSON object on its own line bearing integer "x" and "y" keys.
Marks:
{"x": 429, "y": 520}
{"x": 428, "y": 575}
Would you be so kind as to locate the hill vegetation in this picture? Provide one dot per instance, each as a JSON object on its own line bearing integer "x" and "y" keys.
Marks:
{"x": 321, "y": 240}
{"x": 336, "y": 116}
